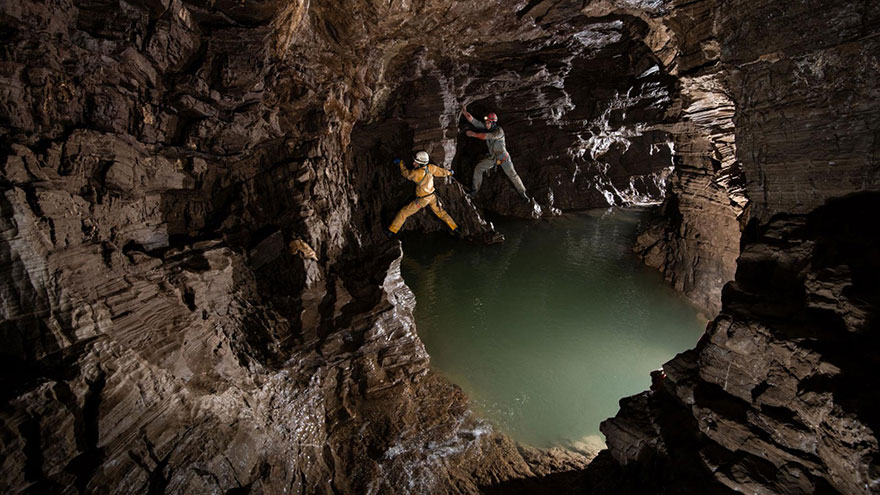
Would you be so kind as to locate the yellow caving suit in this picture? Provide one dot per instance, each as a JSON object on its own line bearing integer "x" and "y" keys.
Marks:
{"x": 424, "y": 179}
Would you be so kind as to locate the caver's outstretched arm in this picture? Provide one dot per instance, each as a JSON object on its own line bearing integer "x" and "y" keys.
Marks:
{"x": 404, "y": 171}
{"x": 439, "y": 171}
{"x": 470, "y": 118}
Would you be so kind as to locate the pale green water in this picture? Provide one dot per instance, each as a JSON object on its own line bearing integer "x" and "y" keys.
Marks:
{"x": 546, "y": 332}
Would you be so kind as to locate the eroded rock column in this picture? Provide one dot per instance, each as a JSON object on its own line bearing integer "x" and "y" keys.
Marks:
{"x": 771, "y": 400}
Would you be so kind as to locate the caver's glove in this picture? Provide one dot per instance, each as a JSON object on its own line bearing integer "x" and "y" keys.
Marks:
{"x": 470, "y": 133}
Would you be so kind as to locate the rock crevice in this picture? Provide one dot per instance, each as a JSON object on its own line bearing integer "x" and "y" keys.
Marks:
{"x": 773, "y": 398}
{"x": 164, "y": 163}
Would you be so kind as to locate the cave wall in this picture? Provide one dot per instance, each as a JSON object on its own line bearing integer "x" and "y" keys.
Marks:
{"x": 777, "y": 396}
{"x": 806, "y": 87}
{"x": 803, "y": 127}
{"x": 693, "y": 239}
{"x": 160, "y": 157}
{"x": 581, "y": 129}
{"x": 160, "y": 336}
{"x": 583, "y": 101}
{"x": 160, "y": 160}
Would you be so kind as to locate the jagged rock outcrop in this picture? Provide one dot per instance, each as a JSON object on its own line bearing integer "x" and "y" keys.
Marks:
{"x": 159, "y": 158}
{"x": 804, "y": 115}
{"x": 776, "y": 398}
{"x": 694, "y": 238}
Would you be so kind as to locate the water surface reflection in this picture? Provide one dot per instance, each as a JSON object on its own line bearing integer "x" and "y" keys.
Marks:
{"x": 548, "y": 331}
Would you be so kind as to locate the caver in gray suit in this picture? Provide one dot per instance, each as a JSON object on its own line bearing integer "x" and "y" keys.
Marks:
{"x": 494, "y": 137}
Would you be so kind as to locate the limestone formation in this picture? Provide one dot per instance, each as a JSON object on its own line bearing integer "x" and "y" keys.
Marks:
{"x": 165, "y": 164}
{"x": 159, "y": 159}
{"x": 694, "y": 239}
{"x": 776, "y": 397}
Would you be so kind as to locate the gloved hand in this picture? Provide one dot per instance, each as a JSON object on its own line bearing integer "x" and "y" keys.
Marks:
{"x": 470, "y": 133}
{"x": 397, "y": 161}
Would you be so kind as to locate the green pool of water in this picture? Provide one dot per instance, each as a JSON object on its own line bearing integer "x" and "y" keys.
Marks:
{"x": 547, "y": 331}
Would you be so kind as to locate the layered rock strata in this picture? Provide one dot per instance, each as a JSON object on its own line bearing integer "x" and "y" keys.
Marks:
{"x": 159, "y": 160}
{"x": 581, "y": 130}
{"x": 805, "y": 81}
{"x": 776, "y": 398}
{"x": 804, "y": 120}
{"x": 580, "y": 99}
{"x": 694, "y": 237}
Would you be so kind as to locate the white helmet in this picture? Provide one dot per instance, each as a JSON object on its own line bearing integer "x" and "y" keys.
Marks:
{"x": 422, "y": 157}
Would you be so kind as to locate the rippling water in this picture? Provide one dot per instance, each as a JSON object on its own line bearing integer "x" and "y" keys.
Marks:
{"x": 547, "y": 331}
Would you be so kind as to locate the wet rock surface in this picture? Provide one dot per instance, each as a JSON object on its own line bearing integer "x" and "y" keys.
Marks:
{"x": 776, "y": 398}
{"x": 165, "y": 329}
{"x": 694, "y": 238}
{"x": 164, "y": 163}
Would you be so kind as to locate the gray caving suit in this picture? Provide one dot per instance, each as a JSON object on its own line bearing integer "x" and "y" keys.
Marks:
{"x": 500, "y": 156}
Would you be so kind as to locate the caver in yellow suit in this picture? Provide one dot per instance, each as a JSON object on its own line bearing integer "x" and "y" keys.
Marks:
{"x": 423, "y": 175}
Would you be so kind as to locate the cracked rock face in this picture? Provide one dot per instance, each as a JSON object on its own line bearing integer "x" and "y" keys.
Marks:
{"x": 197, "y": 296}
{"x": 694, "y": 239}
{"x": 776, "y": 397}
{"x": 159, "y": 160}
